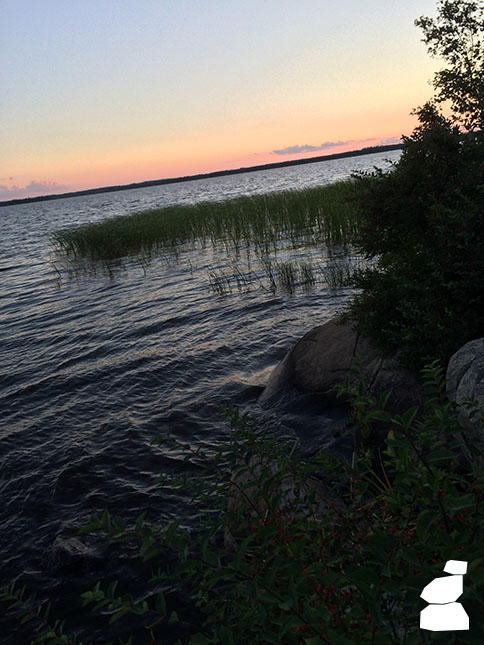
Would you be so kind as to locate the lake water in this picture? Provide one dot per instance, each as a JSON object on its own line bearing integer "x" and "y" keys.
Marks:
{"x": 92, "y": 368}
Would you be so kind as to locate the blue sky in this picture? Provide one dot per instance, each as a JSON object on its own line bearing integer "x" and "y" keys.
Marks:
{"x": 112, "y": 91}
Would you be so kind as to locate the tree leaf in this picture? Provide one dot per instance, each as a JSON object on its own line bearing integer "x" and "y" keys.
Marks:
{"x": 424, "y": 522}
{"x": 442, "y": 454}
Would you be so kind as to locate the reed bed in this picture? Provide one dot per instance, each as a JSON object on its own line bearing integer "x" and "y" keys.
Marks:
{"x": 270, "y": 274}
{"x": 314, "y": 216}
{"x": 291, "y": 223}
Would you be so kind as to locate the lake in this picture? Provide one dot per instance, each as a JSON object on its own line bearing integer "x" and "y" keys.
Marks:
{"x": 93, "y": 367}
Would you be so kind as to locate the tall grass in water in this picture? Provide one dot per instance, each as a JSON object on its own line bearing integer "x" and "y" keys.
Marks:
{"x": 318, "y": 221}
{"x": 310, "y": 217}
{"x": 285, "y": 275}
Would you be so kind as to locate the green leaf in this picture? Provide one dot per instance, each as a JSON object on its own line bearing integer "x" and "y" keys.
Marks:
{"x": 101, "y": 603}
{"x": 47, "y": 611}
{"x": 267, "y": 598}
{"x": 226, "y": 635}
{"x": 118, "y": 614}
{"x": 288, "y": 624}
{"x": 466, "y": 501}
{"x": 27, "y": 617}
{"x": 106, "y": 519}
{"x": 242, "y": 550}
{"x": 173, "y": 618}
{"x": 410, "y": 556}
{"x": 160, "y": 602}
{"x": 409, "y": 416}
{"x": 112, "y": 588}
{"x": 140, "y": 521}
{"x": 441, "y": 455}
{"x": 199, "y": 639}
{"x": 286, "y": 605}
{"x": 478, "y": 596}
{"x": 424, "y": 522}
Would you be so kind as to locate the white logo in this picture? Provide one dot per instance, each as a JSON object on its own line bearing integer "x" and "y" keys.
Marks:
{"x": 444, "y": 614}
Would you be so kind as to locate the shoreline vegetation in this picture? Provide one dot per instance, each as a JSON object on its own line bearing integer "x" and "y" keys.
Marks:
{"x": 312, "y": 228}
{"x": 217, "y": 173}
{"x": 344, "y": 562}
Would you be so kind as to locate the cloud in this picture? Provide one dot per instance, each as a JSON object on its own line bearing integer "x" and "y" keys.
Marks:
{"x": 327, "y": 145}
{"x": 296, "y": 150}
{"x": 33, "y": 189}
{"x": 390, "y": 141}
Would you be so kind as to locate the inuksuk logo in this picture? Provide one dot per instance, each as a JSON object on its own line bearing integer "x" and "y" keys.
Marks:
{"x": 444, "y": 614}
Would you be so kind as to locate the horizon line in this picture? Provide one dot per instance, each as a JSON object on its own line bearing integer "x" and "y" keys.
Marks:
{"x": 217, "y": 173}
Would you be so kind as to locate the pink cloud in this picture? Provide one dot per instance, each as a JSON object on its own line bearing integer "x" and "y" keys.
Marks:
{"x": 327, "y": 145}
{"x": 296, "y": 150}
{"x": 33, "y": 189}
{"x": 390, "y": 141}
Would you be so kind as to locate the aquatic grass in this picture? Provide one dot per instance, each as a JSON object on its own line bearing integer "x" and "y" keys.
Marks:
{"x": 339, "y": 271}
{"x": 271, "y": 274}
{"x": 320, "y": 216}
{"x": 307, "y": 276}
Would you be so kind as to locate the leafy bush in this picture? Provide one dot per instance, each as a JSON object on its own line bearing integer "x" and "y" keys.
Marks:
{"x": 423, "y": 226}
{"x": 423, "y": 223}
{"x": 456, "y": 38}
{"x": 341, "y": 562}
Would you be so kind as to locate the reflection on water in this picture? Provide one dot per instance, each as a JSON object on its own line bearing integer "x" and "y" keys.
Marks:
{"x": 92, "y": 370}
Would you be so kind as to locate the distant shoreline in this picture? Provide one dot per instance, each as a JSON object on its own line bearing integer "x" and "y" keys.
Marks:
{"x": 217, "y": 173}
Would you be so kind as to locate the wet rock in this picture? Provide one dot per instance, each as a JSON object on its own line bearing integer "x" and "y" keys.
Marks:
{"x": 322, "y": 360}
{"x": 69, "y": 552}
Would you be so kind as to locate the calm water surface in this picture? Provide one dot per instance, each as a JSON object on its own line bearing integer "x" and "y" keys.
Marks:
{"x": 92, "y": 369}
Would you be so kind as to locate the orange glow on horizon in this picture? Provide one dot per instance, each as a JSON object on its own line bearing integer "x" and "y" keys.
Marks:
{"x": 144, "y": 95}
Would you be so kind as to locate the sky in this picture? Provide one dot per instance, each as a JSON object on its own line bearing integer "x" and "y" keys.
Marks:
{"x": 108, "y": 92}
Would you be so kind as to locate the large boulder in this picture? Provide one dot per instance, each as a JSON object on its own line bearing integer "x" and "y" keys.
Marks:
{"x": 323, "y": 359}
{"x": 465, "y": 382}
{"x": 315, "y": 367}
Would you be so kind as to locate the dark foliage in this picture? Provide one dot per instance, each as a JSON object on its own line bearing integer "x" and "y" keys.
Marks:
{"x": 456, "y": 37}
{"x": 423, "y": 224}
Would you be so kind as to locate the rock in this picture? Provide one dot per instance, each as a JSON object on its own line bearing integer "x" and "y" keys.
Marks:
{"x": 405, "y": 385}
{"x": 69, "y": 552}
{"x": 317, "y": 363}
{"x": 316, "y": 366}
{"x": 322, "y": 360}
{"x": 465, "y": 380}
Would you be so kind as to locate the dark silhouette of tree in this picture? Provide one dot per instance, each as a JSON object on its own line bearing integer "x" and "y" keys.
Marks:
{"x": 457, "y": 37}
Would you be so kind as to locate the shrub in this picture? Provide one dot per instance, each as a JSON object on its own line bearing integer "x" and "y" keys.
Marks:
{"x": 456, "y": 37}
{"x": 344, "y": 562}
{"x": 423, "y": 226}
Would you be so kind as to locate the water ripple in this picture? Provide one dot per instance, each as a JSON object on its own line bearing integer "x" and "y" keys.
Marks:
{"x": 91, "y": 371}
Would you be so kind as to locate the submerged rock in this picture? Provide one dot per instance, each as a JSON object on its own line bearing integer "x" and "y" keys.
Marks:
{"x": 68, "y": 553}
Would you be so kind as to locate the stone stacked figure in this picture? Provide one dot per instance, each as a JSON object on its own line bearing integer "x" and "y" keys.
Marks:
{"x": 444, "y": 614}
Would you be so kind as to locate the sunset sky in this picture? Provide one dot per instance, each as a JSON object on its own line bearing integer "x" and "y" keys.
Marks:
{"x": 103, "y": 92}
